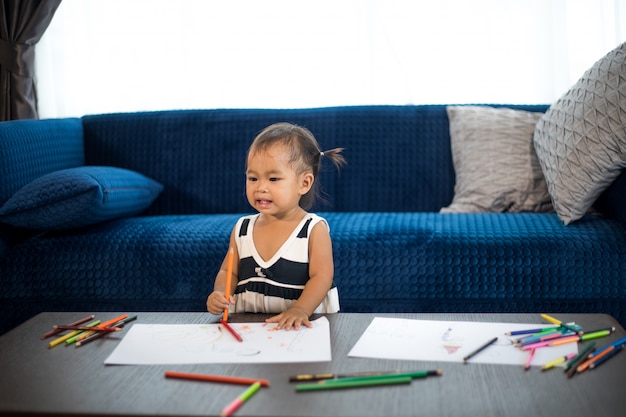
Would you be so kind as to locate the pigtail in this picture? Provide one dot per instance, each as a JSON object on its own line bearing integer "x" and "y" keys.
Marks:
{"x": 335, "y": 157}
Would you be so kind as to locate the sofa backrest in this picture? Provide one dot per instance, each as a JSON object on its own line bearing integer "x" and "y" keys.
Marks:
{"x": 32, "y": 148}
{"x": 612, "y": 202}
{"x": 398, "y": 157}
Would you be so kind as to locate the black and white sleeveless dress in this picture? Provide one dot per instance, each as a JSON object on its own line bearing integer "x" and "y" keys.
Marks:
{"x": 273, "y": 286}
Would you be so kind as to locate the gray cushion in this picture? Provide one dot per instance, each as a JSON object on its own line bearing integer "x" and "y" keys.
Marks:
{"x": 495, "y": 164}
{"x": 581, "y": 140}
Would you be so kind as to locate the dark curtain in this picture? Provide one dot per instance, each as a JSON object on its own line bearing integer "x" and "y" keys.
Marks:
{"x": 22, "y": 23}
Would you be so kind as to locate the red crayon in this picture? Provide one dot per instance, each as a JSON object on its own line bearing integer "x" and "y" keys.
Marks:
{"x": 75, "y": 323}
{"x": 106, "y": 324}
{"x": 91, "y": 329}
{"x": 217, "y": 378}
{"x": 231, "y": 330}
{"x": 98, "y": 335}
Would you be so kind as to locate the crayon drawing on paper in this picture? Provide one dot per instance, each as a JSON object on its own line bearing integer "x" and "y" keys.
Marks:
{"x": 150, "y": 344}
{"x": 449, "y": 341}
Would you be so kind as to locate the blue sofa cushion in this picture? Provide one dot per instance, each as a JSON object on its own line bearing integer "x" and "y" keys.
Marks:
{"x": 32, "y": 148}
{"x": 78, "y": 197}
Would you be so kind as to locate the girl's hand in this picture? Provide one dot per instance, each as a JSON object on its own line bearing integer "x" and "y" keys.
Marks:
{"x": 291, "y": 318}
{"x": 216, "y": 302}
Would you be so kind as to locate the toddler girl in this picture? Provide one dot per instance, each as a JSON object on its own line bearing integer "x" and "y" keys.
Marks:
{"x": 285, "y": 253}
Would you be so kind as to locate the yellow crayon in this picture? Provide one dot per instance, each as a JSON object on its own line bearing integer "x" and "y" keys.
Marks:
{"x": 557, "y": 361}
{"x": 70, "y": 335}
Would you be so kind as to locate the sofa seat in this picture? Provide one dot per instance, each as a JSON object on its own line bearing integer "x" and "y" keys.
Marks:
{"x": 384, "y": 262}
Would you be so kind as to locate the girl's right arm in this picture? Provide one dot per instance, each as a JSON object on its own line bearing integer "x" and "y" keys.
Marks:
{"x": 217, "y": 301}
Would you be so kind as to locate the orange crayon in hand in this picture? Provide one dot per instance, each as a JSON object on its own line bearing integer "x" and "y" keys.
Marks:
{"x": 229, "y": 278}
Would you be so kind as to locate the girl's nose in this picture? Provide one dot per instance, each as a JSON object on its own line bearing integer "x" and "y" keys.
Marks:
{"x": 262, "y": 186}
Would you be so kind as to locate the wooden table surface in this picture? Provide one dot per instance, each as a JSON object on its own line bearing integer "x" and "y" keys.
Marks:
{"x": 63, "y": 380}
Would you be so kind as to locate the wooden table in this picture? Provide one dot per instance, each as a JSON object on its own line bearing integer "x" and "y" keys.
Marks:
{"x": 36, "y": 380}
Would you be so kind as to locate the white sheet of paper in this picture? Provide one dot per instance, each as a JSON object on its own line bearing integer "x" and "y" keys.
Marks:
{"x": 154, "y": 344}
{"x": 450, "y": 341}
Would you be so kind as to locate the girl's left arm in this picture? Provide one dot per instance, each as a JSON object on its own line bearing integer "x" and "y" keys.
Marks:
{"x": 321, "y": 271}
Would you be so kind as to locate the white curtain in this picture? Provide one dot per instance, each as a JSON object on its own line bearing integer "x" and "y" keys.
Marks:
{"x": 133, "y": 55}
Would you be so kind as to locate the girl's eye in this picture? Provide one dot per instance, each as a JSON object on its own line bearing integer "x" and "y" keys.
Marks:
{"x": 251, "y": 179}
{"x": 274, "y": 179}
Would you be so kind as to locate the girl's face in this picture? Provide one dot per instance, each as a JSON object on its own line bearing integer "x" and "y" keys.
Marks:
{"x": 273, "y": 187}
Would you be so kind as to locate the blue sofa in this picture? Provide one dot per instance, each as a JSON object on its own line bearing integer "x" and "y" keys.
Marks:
{"x": 394, "y": 251}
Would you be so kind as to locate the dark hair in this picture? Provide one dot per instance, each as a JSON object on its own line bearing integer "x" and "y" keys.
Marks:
{"x": 305, "y": 153}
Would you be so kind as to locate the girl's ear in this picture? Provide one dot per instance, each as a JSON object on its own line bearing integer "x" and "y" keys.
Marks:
{"x": 306, "y": 182}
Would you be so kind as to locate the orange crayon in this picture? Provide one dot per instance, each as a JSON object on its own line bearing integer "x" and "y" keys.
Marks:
{"x": 102, "y": 326}
{"x": 583, "y": 366}
{"x": 229, "y": 278}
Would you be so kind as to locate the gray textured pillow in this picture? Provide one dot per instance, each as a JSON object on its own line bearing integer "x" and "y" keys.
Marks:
{"x": 496, "y": 166}
{"x": 581, "y": 140}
